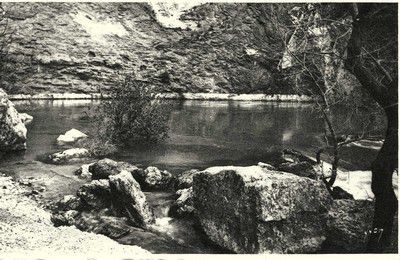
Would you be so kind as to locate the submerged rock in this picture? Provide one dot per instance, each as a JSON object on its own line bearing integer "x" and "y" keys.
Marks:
{"x": 12, "y": 129}
{"x": 302, "y": 169}
{"x": 69, "y": 155}
{"x": 70, "y": 137}
{"x": 155, "y": 179}
{"x": 129, "y": 200}
{"x": 183, "y": 206}
{"x": 254, "y": 210}
{"x": 184, "y": 180}
{"x": 348, "y": 224}
{"x": 102, "y": 169}
{"x": 96, "y": 194}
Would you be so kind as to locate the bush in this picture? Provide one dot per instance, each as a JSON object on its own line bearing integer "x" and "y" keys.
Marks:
{"x": 97, "y": 147}
{"x": 132, "y": 115}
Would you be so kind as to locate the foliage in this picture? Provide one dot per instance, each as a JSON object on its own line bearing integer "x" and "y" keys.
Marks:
{"x": 98, "y": 147}
{"x": 132, "y": 115}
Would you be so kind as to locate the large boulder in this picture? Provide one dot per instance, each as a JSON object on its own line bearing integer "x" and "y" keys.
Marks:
{"x": 129, "y": 200}
{"x": 12, "y": 129}
{"x": 106, "y": 167}
{"x": 348, "y": 224}
{"x": 184, "y": 180}
{"x": 71, "y": 137}
{"x": 96, "y": 194}
{"x": 183, "y": 206}
{"x": 255, "y": 210}
{"x": 156, "y": 179}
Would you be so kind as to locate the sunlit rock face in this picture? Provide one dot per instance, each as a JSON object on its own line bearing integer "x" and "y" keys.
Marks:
{"x": 90, "y": 47}
{"x": 255, "y": 210}
{"x": 12, "y": 128}
{"x": 327, "y": 40}
{"x": 169, "y": 14}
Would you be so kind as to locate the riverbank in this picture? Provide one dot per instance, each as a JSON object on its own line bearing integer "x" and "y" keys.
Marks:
{"x": 26, "y": 229}
{"x": 173, "y": 96}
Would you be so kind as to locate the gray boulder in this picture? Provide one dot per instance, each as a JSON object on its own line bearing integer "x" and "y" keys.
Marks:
{"x": 64, "y": 218}
{"x": 69, "y": 202}
{"x": 100, "y": 223}
{"x": 12, "y": 129}
{"x": 83, "y": 171}
{"x": 155, "y": 179}
{"x": 96, "y": 194}
{"x": 184, "y": 180}
{"x": 183, "y": 206}
{"x": 348, "y": 224}
{"x": 106, "y": 167}
{"x": 255, "y": 210}
{"x": 129, "y": 200}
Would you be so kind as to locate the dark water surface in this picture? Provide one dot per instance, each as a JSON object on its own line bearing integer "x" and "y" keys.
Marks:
{"x": 202, "y": 134}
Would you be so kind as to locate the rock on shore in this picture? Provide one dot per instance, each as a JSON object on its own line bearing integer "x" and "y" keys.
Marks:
{"x": 12, "y": 128}
{"x": 27, "y": 229}
{"x": 255, "y": 210}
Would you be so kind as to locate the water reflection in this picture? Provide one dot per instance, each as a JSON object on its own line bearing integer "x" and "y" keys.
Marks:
{"x": 202, "y": 133}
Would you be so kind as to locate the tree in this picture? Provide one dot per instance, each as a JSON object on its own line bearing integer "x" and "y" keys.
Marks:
{"x": 309, "y": 41}
{"x": 372, "y": 58}
{"x": 360, "y": 39}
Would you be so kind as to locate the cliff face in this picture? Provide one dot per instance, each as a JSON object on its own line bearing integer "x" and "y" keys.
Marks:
{"x": 90, "y": 47}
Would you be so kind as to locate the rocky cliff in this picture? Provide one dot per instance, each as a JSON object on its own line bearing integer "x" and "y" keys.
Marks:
{"x": 90, "y": 47}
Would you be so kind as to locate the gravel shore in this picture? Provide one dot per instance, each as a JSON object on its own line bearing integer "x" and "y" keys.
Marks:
{"x": 25, "y": 228}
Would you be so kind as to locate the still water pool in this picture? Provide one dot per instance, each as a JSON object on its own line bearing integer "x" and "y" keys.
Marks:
{"x": 202, "y": 134}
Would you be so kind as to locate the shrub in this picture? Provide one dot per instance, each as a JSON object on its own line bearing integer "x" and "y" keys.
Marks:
{"x": 97, "y": 146}
{"x": 132, "y": 115}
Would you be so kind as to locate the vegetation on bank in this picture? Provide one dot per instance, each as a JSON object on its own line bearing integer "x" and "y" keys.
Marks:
{"x": 130, "y": 116}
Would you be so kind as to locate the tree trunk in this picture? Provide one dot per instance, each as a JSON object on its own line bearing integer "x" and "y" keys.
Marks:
{"x": 385, "y": 199}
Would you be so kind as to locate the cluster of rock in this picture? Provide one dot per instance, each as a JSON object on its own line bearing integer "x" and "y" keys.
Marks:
{"x": 12, "y": 125}
{"x": 255, "y": 209}
{"x": 69, "y": 155}
{"x": 115, "y": 191}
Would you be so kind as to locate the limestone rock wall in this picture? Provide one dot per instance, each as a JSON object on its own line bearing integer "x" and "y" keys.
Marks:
{"x": 90, "y": 47}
